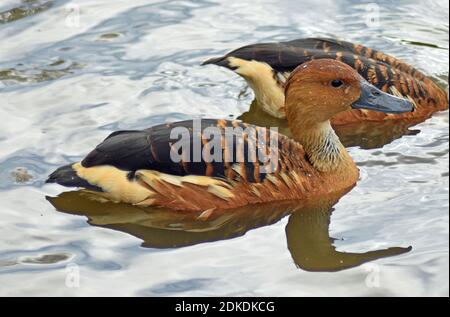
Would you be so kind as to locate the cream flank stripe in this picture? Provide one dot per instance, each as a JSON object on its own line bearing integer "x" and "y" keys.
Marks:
{"x": 118, "y": 187}
{"x": 260, "y": 78}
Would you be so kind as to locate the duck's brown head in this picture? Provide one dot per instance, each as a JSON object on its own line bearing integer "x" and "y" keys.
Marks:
{"x": 319, "y": 89}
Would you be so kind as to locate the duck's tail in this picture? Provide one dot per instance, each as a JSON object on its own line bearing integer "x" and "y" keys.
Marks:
{"x": 67, "y": 176}
{"x": 219, "y": 61}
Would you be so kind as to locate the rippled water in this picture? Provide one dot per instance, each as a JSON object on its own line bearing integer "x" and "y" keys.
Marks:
{"x": 73, "y": 71}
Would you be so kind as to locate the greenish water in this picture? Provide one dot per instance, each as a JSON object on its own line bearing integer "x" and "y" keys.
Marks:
{"x": 73, "y": 71}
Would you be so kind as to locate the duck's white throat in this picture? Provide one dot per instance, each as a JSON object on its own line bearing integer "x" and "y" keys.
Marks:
{"x": 323, "y": 147}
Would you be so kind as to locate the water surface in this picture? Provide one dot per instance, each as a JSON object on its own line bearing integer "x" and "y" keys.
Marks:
{"x": 73, "y": 71}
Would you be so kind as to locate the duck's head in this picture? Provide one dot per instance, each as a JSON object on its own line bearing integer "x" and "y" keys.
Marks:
{"x": 319, "y": 89}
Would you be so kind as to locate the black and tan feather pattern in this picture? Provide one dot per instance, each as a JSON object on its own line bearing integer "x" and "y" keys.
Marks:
{"x": 383, "y": 71}
{"x": 136, "y": 167}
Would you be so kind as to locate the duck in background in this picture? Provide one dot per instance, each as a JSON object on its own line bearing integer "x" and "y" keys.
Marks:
{"x": 267, "y": 66}
{"x": 137, "y": 167}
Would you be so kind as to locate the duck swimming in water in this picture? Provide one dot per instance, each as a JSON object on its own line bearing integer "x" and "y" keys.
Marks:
{"x": 267, "y": 66}
{"x": 138, "y": 167}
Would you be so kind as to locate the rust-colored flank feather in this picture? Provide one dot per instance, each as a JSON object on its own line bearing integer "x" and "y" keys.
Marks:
{"x": 256, "y": 62}
{"x": 197, "y": 186}
{"x": 138, "y": 167}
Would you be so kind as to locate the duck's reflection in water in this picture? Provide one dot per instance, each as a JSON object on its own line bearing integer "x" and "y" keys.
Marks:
{"x": 367, "y": 135}
{"x": 307, "y": 229}
{"x": 312, "y": 248}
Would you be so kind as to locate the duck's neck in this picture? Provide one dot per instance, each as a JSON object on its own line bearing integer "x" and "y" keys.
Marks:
{"x": 325, "y": 152}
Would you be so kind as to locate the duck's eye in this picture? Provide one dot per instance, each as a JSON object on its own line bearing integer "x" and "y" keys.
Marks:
{"x": 336, "y": 83}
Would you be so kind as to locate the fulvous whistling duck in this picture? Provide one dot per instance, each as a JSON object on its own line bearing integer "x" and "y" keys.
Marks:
{"x": 267, "y": 66}
{"x": 138, "y": 167}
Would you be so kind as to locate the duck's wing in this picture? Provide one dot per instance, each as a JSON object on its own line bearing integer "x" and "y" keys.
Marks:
{"x": 149, "y": 167}
{"x": 160, "y": 148}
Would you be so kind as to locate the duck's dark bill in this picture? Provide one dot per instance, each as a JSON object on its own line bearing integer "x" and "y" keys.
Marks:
{"x": 373, "y": 98}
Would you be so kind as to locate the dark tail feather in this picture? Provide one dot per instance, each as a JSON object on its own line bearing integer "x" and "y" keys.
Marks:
{"x": 219, "y": 61}
{"x": 67, "y": 176}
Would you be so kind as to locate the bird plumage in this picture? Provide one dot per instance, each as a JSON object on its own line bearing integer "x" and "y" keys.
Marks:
{"x": 383, "y": 71}
{"x": 136, "y": 167}
{"x": 203, "y": 165}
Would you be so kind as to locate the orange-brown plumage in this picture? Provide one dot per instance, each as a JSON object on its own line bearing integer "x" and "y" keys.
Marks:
{"x": 137, "y": 166}
{"x": 296, "y": 179}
